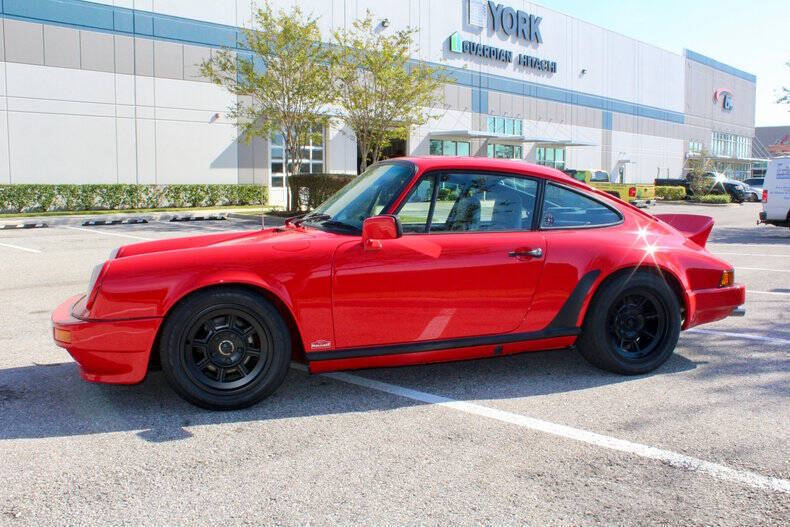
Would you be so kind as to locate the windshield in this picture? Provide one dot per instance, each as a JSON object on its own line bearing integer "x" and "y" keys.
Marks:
{"x": 367, "y": 195}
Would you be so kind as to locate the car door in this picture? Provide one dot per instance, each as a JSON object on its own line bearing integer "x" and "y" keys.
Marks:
{"x": 467, "y": 265}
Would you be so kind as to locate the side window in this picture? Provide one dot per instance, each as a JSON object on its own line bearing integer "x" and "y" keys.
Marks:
{"x": 414, "y": 213}
{"x": 600, "y": 177}
{"x": 471, "y": 202}
{"x": 564, "y": 208}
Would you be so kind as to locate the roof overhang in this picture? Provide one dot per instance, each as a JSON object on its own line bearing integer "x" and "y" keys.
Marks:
{"x": 480, "y": 134}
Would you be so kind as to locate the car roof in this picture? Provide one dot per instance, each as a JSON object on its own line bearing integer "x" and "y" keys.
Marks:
{"x": 425, "y": 163}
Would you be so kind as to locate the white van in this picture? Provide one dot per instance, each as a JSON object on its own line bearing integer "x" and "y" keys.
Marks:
{"x": 776, "y": 192}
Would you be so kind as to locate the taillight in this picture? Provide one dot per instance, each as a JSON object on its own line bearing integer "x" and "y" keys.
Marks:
{"x": 727, "y": 278}
{"x": 632, "y": 192}
{"x": 765, "y": 195}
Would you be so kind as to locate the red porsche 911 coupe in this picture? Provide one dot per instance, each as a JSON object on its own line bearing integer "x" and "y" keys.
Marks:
{"x": 417, "y": 260}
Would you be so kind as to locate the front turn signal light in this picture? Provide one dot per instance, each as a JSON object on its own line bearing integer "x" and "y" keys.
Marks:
{"x": 727, "y": 278}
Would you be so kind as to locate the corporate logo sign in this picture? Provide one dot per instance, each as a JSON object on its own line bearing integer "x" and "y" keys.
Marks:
{"x": 724, "y": 96}
{"x": 503, "y": 19}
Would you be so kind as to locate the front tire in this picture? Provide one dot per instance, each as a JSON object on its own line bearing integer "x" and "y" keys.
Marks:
{"x": 225, "y": 349}
{"x": 632, "y": 325}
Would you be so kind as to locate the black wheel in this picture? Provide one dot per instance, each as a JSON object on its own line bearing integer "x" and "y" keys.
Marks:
{"x": 225, "y": 349}
{"x": 632, "y": 325}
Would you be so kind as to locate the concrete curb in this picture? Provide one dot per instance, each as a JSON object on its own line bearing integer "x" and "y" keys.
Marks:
{"x": 129, "y": 221}
{"x": 19, "y": 226}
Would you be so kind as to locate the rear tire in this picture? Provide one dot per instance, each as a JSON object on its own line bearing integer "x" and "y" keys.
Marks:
{"x": 225, "y": 349}
{"x": 632, "y": 325}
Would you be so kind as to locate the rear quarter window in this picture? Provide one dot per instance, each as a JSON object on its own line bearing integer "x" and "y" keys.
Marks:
{"x": 564, "y": 208}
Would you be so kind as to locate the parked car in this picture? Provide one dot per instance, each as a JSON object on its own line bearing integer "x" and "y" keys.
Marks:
{"x": 755, "y": 183}
{"x": 718, "y": 183}
{"x": 640, "y": 194}
{"x": 417, "y": 260}
{"x": 776, "y": 192}
{"x": 752, "y": 194}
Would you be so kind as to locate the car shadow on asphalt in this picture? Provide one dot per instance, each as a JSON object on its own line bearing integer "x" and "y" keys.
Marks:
{"x": 756, "y": 235}
{"x": 51, "y": 401}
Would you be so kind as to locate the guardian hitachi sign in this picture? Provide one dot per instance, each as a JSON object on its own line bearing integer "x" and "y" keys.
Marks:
{"x": 505, "y": 19}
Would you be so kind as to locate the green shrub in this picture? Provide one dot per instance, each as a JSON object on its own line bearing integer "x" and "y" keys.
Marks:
{"x": 213, "y": 194}
{"x": 24, "y": 198}
{"x": 134, "y": 196}
{"x": 17, "y": 198}
{"x": 109, "y": 196}
{"x": 308, "y": 191}
{"x": 671, "y": 193}
{"x": 45, "y": 196}
{"x": 69, "y": 196}
{"x": 713, "y": 198}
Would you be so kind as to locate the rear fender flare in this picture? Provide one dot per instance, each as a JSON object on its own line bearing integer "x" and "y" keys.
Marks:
{"x": 673, "y": 280}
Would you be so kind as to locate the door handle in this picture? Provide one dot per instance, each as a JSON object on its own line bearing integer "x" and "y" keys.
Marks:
{"x": 520, "y": 253}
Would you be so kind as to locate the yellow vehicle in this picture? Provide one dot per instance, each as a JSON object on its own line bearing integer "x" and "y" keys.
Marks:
{"x": 639, "y": 194}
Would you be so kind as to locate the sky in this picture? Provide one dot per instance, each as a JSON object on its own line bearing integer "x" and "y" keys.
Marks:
{"x": 751, "y": 35}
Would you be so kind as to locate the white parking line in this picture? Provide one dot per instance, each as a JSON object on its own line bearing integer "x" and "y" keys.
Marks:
{"x": 746, "y": 336}
{"x": 94, "y": 231}
{"x": 763, "y": 269}
{"x": 192, "y": 224}
{"x": 777, "y": 293}
{"x": 674, "y": 459}
{"x": 765, "y": 255}
{"x": 12, "y": 246}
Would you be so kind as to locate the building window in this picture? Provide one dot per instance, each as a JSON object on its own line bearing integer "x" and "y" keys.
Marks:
{"x": 312, "y": 157}
{"x": 730, "y": 145}
{"x": 449, "y": 148}
{"x": 551, "y": 157}
{"x": 695, "y": 147}
{"x": 277, "y": 157}
{"x": 505, "y": 151}
{"x": 504, "y": 125}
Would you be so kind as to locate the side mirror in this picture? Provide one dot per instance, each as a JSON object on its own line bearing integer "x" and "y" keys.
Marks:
{"x": 378, "y": 228}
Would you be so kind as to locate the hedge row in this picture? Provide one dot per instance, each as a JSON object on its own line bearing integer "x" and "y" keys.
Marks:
{"x": 712, "y": 198}
{"x": 671, "y": 193}
{"x": 308, "y": 191}
{"x": 42, "y": 198}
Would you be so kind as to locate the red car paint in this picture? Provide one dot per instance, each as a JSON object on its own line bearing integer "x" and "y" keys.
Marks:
{"x": 418, "y": 298}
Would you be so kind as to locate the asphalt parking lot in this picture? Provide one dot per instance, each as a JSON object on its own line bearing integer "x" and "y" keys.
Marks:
{"x": 540, "y": 438}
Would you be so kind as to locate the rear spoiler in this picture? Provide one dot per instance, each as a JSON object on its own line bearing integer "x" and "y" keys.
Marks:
{"x": 693, "y": 226}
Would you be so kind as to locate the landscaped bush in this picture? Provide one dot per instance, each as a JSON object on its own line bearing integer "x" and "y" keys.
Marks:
{"x": 43, "y": 198}
{"x": 671, "y": 193}
{"x": 308, "y": 191}
{"x": 713, "y": 198}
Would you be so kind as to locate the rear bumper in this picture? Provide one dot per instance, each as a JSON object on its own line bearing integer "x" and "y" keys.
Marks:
{"x": 710, "y": 305}
{"x": 114, "y": 352}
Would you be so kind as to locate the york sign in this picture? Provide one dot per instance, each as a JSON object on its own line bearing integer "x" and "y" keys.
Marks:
{"x": 514, "y": 22}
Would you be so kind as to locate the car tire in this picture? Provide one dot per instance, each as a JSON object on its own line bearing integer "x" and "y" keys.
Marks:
{"x": 225, "y": 349}
{"x": 632, "y": 325}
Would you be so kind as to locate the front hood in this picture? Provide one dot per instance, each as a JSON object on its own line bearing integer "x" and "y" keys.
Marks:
{"x": 280, "y": 238}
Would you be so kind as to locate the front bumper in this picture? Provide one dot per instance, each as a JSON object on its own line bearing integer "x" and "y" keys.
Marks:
{"x": 710, "y": 305}
{"x": 111, "y": 351}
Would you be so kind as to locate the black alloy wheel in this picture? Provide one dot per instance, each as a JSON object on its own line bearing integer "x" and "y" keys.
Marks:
{"x": 225, "y": 348}
{"x": 632, "y": 324}
{"x": 637, "y": 323}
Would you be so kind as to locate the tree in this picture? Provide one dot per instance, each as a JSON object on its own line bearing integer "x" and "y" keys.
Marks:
{"x": 283, "y": 81}
{"x": 785, "y": 97}
{"x": 381, "y": 95}
{"x": 699, "y": 183}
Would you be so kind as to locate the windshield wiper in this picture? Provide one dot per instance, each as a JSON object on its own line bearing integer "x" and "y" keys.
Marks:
{"x": 312, "y": 217}
{"x": 340, "y": 225}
